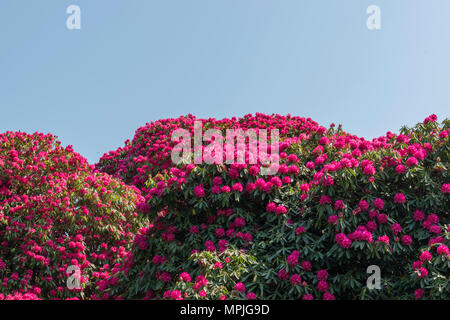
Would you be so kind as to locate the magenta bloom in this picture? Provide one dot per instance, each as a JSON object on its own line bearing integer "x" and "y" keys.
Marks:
{"x": 399, "y": 198}
{"x": 322, "y": 286}
{"x": 271, "y": 207}
{"x": 406, "y": 240}
{"x": 199, "y": 191}
{"x": 378, "y": 204}
{"x": 412, "y": 161}
{"x": 240, "y": 287}
{"x": 363, "y": 205}
{"x": 328, "y": 296}
{"x": 426, "y": 256}
{"x": 442, "y": 249}
{"x": 280, "y": 210}
{"x": 322, "y": 275}
{"x": 418, "y": 293}
{"x": 400, "y": 169}
{"x": 251, "y": 296}
{"x": 296, "y": 279}
{"x": 238, "y": 187}
{"x": 445, "y": 188}
{"x": 185, "y": 277}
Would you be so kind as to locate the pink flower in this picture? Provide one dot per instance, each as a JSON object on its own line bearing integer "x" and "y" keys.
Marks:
{"x": 442, "y": 250}
{"x": 399, "y": 198}
{"x": 237, "y": 187}
{"x": 378, "y": 204}
{"x": 199, "y": 191}
{"x": 396, "y": 228}
{"x": 332, "y": 219}
{"x": 339, "y": 204}
{"x": 384, "y": 239}
{"x": 300, "y": 230}
{"x": 426, "y": 256}
{"x": 369, "y": 170}
{"x": 406, "y": 240}
{"x": 220, "y": 232}
{"x": 382, "y": 218}
{"x": 422, "y": 273}
{"x": 308, "y": 297}
{"x": 322, "y": 275}
{"x": 400, "y": 169}
{"x": 283, "y": 274}
{"x": 295, "y": 279}
{"x": 280, "y": 210}
{"x": 217, "y": 181}
{"x": 328, "y": 296}
{"x": 194, "y": 230}
{"x": 445, "y": 188}
{"x": 325, "y": 199}
{"x": 185, "y": 277}
{"x": 322, "y": 286}
{"x": 418, "y": 293}
{"x": 271, "y": 207}
{"x": 292, "y": 259}
{"x": 419, "y": 215}
{"x": 306, "y": 265}
{"x": 363, "y": 205}
{"x": 412, "y": 161}
{"x": 240, "y": 287}
{"x": 251, "y": 296}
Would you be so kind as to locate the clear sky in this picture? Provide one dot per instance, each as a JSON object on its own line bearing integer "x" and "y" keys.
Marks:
{"x": 135, "y": 61}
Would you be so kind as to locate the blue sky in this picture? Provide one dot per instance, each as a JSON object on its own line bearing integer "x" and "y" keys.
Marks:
{"x": 137, "y": 61}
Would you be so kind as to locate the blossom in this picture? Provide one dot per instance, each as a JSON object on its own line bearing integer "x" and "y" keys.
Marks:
{"x": 396, "y": 228}
{"x": 412, "y": 161}
{"x": 237, "y": 187}
{"x": 400, "y": 169}
{"x": 378, "y": 204}
{"x": 363, "y": 205}
{"x": 280, "y": 210}
{"x": 184, "y": 276}
{"x": 419, "y": 215}
{"x": 292, "y": 259}
{"x": 322, "y": 274}
{"x": 322, "y": 286}
{"x": 418, "y": 293}
{"x": 328, "y": 296}
{"x": 425, "y": 256}
{"x": 295, "y": 279}
{"x": 300, "y": 230}
{"x": 406, "y": 240}
{"x": 445, "y": 188}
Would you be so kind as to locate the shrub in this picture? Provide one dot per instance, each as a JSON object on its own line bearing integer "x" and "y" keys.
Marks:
{"x": 56, "y": 211}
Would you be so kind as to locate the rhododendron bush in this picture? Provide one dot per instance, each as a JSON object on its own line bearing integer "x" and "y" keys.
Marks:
{"x": 140, "y": 225}
{"x": 56, "y": 211}
{"x": 336, "y": 205}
